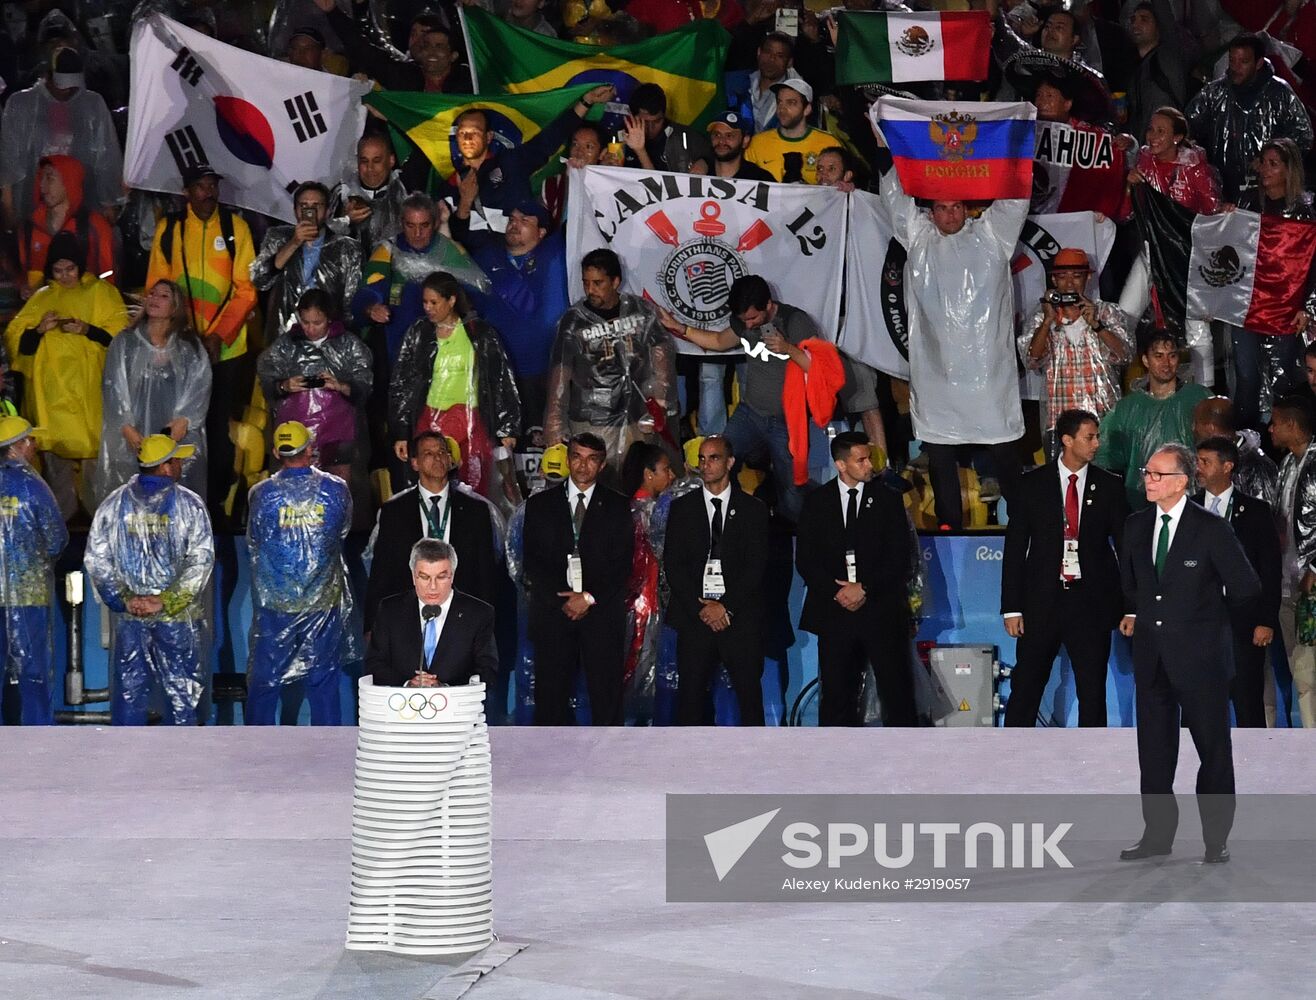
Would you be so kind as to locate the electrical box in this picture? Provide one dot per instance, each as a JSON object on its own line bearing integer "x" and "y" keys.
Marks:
{"x": 964, "y": 684}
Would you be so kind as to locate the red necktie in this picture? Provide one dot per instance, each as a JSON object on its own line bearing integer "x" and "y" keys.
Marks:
{"x": 1071, "y": 512}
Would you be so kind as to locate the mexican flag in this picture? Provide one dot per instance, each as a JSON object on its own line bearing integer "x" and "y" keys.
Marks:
{"x": 909, "y": 47}
{"x": 687, "y": 63}
{"x": 1250, "y": 270}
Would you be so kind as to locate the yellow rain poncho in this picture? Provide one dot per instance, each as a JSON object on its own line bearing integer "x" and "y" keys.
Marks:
{"x": 62, "y": 393}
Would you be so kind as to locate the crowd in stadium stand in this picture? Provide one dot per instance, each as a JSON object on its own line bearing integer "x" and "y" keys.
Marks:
{"x": 418, "y": 356}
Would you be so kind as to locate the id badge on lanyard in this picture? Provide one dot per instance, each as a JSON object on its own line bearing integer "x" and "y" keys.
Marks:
{"x": 851, "y": 567}
{"x": 715, "y": 586}
{"x": 575, "y": 574}
{"x": 1069, "y": 567}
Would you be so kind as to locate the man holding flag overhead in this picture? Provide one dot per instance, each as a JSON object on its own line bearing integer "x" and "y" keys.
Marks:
{"x": 504, "y": 140}
{"x": 964, "y": 388}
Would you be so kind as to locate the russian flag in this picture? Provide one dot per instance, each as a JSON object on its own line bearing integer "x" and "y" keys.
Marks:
{"x": 959, "y": 150}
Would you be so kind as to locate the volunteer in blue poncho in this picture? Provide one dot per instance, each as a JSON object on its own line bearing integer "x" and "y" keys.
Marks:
{"x": 303, "y": 605}
{"x": 32, "y": 535}
{"x": 149, "y": 554}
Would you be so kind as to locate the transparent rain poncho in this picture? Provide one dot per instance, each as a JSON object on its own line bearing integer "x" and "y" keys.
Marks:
{"x": 303, "y": 613}
{"x": 32, "y": 535}
{"x": 614, "y": 377}
{"x": 336, "y": 272}
{"x": 36, "y": 125}
{"x": 964, "y": 383}
{"x": 152, "y": 537}
{"x": 329, "y": 414}
{"x": 145, "y": 387}
{"x": 461, "y": 386}
{"x": 385, "y": 219}
{"x": 1079, "y": 369}
{"x": 650, "y": 655}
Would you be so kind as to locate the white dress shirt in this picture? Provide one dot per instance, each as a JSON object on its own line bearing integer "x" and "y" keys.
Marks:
{"x": 845, "y": 497}
{"x": 1224, "y": 500}
{"x": 1081, "y": 485}
{"x": 425, "y": 505}
{"x": 1175, "y": 512}
{"x": 573, "y": 495}
{"x": 725, "y": 497}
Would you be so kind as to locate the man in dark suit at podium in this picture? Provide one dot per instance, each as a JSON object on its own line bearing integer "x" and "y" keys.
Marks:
{"x": 1060, "y": 580}
{"x": 579, "y": 541}
{"x": 432, "y": 635}
{"x": 716, "y": 553}
{"x": 1254, "y": 527}
{"x": 433, "y": 508}
{"x": 1183, "y": 571}
{"x": 853, "y": 551}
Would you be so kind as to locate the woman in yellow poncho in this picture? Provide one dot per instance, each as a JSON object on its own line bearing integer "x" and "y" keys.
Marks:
{"x": 57, "y": 343}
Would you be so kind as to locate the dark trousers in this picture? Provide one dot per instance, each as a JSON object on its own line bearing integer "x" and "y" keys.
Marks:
{"x": 1204, "y": 709}
{"x": 597, "y": 643}
{"x": 944, "y": 472}
{"x": 699, "y": 650}
{"x": 230, "y": 394}
{"x": 843, "y": 657}
{"x": 1087, "y": 640}
{"x": 1248, "y": 688}
{"x": 533, "y": 390}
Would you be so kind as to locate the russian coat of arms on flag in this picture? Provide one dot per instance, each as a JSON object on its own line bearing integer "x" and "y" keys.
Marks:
{"x": 959, "y": 150}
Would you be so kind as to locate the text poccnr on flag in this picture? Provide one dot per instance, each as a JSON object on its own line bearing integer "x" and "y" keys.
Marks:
{"x": 265, "y": 126}
{"x": 684, "y": 239}
{"x": 959, "y": 150}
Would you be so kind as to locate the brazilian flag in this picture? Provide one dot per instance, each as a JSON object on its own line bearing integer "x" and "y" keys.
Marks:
{"x": 426, "y": 120}
{"x": 687, "y": 63}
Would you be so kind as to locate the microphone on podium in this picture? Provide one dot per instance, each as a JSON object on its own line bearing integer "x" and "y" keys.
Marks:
{"x": 427, "y": 614}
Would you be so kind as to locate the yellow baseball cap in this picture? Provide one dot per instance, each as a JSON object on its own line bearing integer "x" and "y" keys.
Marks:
{"x": 692, "y": 452}
{"x": 160, "y": 448}
{"x": 291, "y": 438}
{"x": 13, "y": 430}
{"x": 554, "y": 461}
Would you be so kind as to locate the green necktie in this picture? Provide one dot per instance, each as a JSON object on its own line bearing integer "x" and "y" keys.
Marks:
{"x": 1163, "y": 544}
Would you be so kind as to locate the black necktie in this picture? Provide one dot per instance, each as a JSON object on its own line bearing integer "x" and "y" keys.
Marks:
{"x": 851, "y": 509}
{"x": 437, "y": 524}
{"x": 715, "y": 529}
{"x": 578, "y": 516}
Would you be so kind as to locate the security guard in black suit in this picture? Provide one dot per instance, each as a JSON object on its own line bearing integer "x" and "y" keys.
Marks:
{"x": 1254, "y": 527}
{"x": 579, "y": 543}
{"x": 852, "y": 548}
{"x": 434, "y": 508}
{"x": 1060, "y": 578}
{"x": 1183, "y": 571}
{"x": 715, "y": 557}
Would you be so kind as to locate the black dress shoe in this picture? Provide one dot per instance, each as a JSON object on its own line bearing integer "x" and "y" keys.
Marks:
{"x": 1140, "y": 850}
{"x": 1216, "y": 855}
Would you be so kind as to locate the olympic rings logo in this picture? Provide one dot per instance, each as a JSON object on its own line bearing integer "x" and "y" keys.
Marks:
{"x": 417, "y": 705}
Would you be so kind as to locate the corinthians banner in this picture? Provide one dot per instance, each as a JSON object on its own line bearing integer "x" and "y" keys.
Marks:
{"x": 683, "y": 239}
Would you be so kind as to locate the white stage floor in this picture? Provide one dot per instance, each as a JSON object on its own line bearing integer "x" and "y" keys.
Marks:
{"x": 213, "y": 863}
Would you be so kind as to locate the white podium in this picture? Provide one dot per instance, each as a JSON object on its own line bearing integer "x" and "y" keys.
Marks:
{"x": 422, "y": 876}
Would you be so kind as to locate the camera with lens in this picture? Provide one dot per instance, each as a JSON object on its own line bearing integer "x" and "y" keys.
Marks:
{"x": 1058, "y": 298}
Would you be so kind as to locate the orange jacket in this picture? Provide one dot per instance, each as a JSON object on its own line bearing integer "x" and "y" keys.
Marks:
{"x": 810, "y": 394}
{"x": 34, "y": 239}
